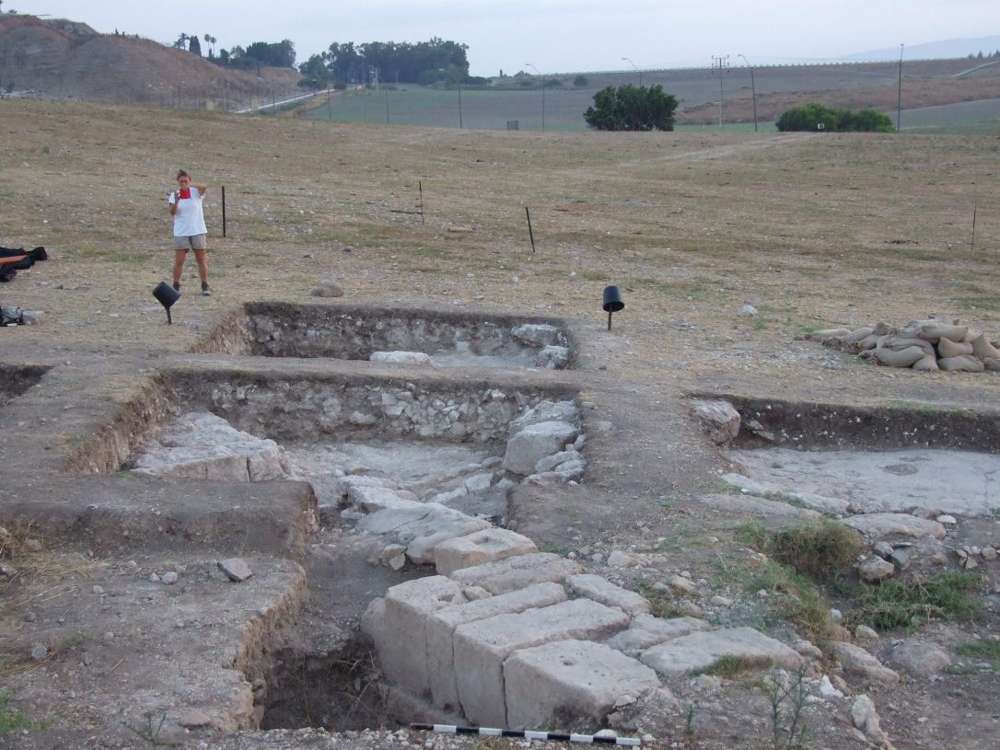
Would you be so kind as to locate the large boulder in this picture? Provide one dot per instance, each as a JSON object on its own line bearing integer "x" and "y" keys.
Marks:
{"x": 719, "y": 418}
{"x": 855, "y": 660}
{"x": 200, "y": 445}
{"x": 919, "y": 658}
{"x": 879, "y": 525}
{"x": 534, "y": 442}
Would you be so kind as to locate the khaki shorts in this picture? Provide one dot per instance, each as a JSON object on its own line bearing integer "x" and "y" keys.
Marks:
{"x": 194, "y": 242}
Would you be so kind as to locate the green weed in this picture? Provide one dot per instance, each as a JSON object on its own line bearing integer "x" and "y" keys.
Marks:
{"x": 907, "y": 604}
{"x": 982, "y": 650}
{"x": 730, "y": 667}
{"x": 11, "y": 719}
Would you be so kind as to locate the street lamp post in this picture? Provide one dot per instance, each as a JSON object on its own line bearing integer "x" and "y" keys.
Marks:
{"x": 629, "y": 61}
{"x": 539, "y": 74}
{"x": 753, "y": 90}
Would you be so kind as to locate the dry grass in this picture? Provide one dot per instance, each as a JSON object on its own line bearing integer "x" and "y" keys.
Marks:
{"x": 691, "y": 225}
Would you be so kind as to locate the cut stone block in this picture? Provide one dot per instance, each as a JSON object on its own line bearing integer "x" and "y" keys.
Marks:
{"x": 441, "y": 628}
{"x": 517, "y": 572}
{"x": 603, "y": 591}
{"x": 481, "y": 647}
{"x": 648, "y": 631}
{"x": 697, "y": 651}
{"x": 570, "y": 681}
{"x": 527, "y": 447}
{"x": 481, "y": 547}
{"x": 404, "y": 638}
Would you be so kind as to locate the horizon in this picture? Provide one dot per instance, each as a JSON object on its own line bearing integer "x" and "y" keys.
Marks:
{"x": 488, "y": 30}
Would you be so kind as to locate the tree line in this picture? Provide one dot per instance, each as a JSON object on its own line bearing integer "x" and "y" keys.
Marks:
{"x": 424, "y": 63}
{"x": 259, "y": 54}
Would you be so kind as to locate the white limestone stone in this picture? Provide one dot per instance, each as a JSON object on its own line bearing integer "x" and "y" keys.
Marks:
{"x": 528, "y": 446}
{"x": 701, "y": 650}
{"x": 517, "y": 572}
{"x": 603, "y": 591}
{"x": 481, "y": 647}
{"x": 570, "y": 681}
{"x": 407, "y": 607}
{"x": 480, "y": 547}
{"x": 648, "y": 631}
{"x": 441, "y": 626}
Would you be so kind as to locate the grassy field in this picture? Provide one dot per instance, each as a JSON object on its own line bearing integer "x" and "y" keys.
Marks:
{"x": 973, "y": 117}
{"x": 491, "y": 109}
{"x": 814, "y": 230}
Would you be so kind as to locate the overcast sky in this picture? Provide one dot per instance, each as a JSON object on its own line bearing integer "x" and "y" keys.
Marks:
{"x": 554, "y": 35}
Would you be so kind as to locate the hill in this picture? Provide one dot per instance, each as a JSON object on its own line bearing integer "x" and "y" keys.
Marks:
{"x": 946, "y": 48}
{"x": 69, "y": 60}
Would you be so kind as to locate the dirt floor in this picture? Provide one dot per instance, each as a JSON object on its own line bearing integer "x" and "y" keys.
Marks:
{"x": 814, "y": 231}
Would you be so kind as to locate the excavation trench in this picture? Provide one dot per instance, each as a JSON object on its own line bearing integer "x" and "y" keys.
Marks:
{"x": 898, "y": 459}
{"x": 442, "y": 455}
{"x": 395, "y": 335}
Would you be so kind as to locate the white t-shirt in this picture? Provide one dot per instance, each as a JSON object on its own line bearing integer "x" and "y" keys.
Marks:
{"x": 190, "y": 218}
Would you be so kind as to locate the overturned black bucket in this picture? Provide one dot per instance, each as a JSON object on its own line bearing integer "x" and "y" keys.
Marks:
{"x": 612, "y": 302}
{"x": 166, "y": 295}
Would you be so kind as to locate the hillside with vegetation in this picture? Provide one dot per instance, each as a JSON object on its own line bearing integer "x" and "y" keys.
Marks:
{"x": 68, "y": 60}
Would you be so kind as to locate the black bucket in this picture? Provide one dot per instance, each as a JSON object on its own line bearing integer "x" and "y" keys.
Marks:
{"x": 166, "y": 295}
{"x": 613, "y": 300}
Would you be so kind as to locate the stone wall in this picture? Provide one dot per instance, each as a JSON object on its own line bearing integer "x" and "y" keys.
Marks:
{"x": 305, "y": 408}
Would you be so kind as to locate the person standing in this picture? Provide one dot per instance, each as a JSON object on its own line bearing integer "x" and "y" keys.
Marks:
{"x": 190, "y": 232}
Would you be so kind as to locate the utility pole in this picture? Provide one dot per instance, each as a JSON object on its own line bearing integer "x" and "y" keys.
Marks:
{"x": 753, "y": 90}
{"x": 539, "y": 74}
{"x": 899, "y": 92}
{"x": 721, "y": 63}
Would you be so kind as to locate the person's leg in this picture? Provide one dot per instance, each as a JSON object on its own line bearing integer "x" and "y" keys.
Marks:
{"x": 201, "y": 256}
{"x": 179, "y": 257}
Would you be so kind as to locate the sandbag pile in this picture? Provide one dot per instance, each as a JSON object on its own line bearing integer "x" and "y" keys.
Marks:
{"x": 931, "y": 344}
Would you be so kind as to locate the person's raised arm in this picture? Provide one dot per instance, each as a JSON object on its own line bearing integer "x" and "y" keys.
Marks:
{"x": 172, "y": 201}
{"x": 201, "y": 189}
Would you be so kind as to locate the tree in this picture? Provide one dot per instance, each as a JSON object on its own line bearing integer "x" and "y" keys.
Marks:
{"x": 194, "y": 44}
{"x": 581, "y": 81}
{"x": 210, "y": 41}
{"x": 181, "y": 42}
{"x": 315, "y": 73}
{"x": 632, "y": 108}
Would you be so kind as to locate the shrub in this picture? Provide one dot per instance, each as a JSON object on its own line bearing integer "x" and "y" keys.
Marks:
{"x": 632, "y": 108}
{"x": 822, "y": 551}
{"x": 811, "y": 117}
